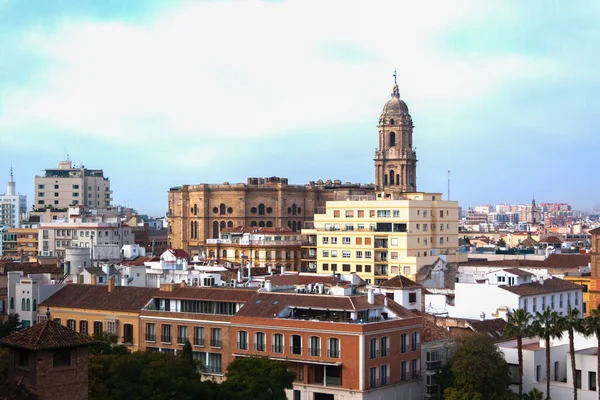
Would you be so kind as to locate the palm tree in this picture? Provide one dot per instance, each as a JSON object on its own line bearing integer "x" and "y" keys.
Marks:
{"x": 592, "y": 328}
{"x": 518, "y": 325}
{"x": 533, "y": 394}
{"x": 547, "y": 326}
{"x": 572, "y": 323}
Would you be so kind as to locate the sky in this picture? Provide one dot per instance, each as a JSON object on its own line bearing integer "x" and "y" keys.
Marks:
{"x": 504, "y": 94}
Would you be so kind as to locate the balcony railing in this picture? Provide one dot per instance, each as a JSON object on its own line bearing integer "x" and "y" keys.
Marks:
{"x": 314, "y": 351}
{"x": 373, "y": 382}
{"x": 277, "y": 348}
{"x": 181, "y": 339}
{"x": 150, "y": 338}
{"x": 127, "y": 340}
{"x": 215, "y": 342}
{"x": 260, "y": 347}
{"x": 433, "y": 365}
{"x": 385, "y": 352}
{"x": 296, "y": 350}
{"x": 242, "y": 345}
{"x": 165, "y": 338}
{"x": 333, "y": 353}
{"x": 198, "y": 341}
{"x": 432, "y": 389}
{"x": 214, "y": 369}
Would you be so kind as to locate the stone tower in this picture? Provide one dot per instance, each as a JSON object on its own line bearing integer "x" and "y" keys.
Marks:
{"x": 395, "y": 158}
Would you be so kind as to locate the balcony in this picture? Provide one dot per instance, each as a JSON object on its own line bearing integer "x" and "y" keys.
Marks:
{"x": 433, "y": 365}
{"x": 127, "y": 340}
{"x": 198, "y": 341}
{"x": 150, "y": 337}
{"x": 215, "y": 343}
{"x": 165, "y": 339}
{"x": 432, "y": 389}
{"x": 381, "y": 271}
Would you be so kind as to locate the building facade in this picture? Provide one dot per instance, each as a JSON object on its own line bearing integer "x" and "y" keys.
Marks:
{"x": 13, "y": 206}
{"x": 380, "y": 238}
{"x": 19, "y": 242}
{"x": 67, "y": 185}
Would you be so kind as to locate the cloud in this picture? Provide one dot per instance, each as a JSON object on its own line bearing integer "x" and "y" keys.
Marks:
{"x": 246, "y": 70}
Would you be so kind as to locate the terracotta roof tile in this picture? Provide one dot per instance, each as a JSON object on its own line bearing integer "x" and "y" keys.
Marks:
{"x": 548, "y": 286}
{"x": 518, "y": 272}
{"x": 46, "y": 335}
{"x": 179, "y": 253}
{"x": 430, "y": 331}
{"x": 97, "y": 297}
{"x": 399, "y": 281}
{"x": 492, "y": 327}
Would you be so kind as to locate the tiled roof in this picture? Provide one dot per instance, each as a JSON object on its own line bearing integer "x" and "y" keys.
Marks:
{"x": 179, "y": 253}
{"x": 595, "y": 231}
{"x": 567, "y": 260}
{"x": 548, "y": 286}
{"x": 399, "y": 281}
{"x": 430, "y": 331}
{"x": 207, "y": 293}
{"x": 518, "y": 272}
{"x": 494, "y": 328}
{"x": 46, "y": 335}
{"x": 138, "y": 261}
{"x": 30, "y": 268}
{"x": 97, "y": 297}
{"x": 554, "y": 261}
{"x": 552, "y": 239}
{"x": 94, "y": 270}
{"x": 529, "y": 242}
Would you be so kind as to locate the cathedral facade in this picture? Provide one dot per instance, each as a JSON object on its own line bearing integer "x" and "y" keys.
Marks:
{"x": 200, "y": 212}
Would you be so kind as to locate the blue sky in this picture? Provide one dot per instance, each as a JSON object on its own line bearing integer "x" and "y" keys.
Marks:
{"x": 504, "y": 94}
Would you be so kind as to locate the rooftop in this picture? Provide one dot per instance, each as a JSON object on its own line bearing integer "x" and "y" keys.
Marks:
{"x": 400, "y": 281}
{"x": 547, "y": 286}
{"x": 97, "y": 297}
{"x": 518, "y": 272}
{"x": 45, "y": 336}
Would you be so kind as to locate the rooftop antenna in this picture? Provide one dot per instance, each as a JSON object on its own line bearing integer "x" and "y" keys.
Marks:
{"x": 395, "y": 77}
{"x": 448, "y": 184}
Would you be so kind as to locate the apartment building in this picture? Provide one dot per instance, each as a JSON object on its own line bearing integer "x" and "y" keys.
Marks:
{"x": 82, "y": 230}
{"x": 25, "y": 292}
{"x": 91, "y": 309}
{"x": 275, "y": 247}
{"x": 67, "y": 185}
{"x": 13, "y": 206}
{"x": 17, "y": 242}
{"x": 378, "y": 238}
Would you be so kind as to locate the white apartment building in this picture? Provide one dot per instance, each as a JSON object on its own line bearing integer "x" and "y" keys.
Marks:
{"x": 13, "y": 206}
{"x": 83, "y": 231}
{"x": 378, "y": 238}
{"x": 26, "y": 292}
{"x": 62, "y": 187}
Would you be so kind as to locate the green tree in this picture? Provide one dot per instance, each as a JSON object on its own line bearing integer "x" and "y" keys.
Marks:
{"x": 501, "y": 243}
{"x": 11, "y": 325}
{"x": 107, "y": 344}
{"x": 533, "y": 394}
{"x": 571, "y": 322}
{"x": 592, "y": 328}
{"x": 257, "y": 378}
{"x": 547, "y": 325}
{"x": 480, "y": 371}
{"x": 519, "y": 326}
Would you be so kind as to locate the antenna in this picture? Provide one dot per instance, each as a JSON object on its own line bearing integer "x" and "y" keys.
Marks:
{"x": 448, "y": 184}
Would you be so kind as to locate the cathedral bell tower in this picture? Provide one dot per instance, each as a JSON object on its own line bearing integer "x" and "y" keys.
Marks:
{"x": 395, "y": 158}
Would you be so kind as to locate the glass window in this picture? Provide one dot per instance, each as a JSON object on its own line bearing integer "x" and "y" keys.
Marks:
{"x": 314, "y": 348}
{"x": 198, "y": 336}
{"x": 278, "y": 343}
{"x": 333, "y": 350}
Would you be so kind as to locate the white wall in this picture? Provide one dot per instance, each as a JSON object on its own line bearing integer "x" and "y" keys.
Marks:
{"x": 471, "y": 299}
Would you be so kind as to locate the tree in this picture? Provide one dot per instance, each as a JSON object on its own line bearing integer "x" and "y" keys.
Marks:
{"x": 571, "y": 322}
{"x": 592, "y": 328}
{"x": 518, "y": 325}
{"x": 107, "y": 344}
{"x": 533, "y": 394}
{"x": 257, "y": 378}
{"x": 547, "y": 326}
{"x": 480, "y": 371}
{"x": 11, "y": 325}
{"x": 501, "y": 243}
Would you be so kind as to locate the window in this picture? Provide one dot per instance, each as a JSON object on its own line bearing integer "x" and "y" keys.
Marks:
{"x": 349, "y": 213}
{"x": 414, "y": 370}
{"x": 166, "y": 334}
{"x": 83, "y": 327}
{"x": 297, "y": 393}
{"x": 373, "y": 348}
{"x": 367, "y": 254}
{"x": 97, "y": 327}
{"x": 592, "y": 380}
{"x": 325, "y": 253}
{"x": 359, "y": 268}
{"x": 345, "y": 254}
{"x": 214, "y": 365}
{"x": 61, "y": 358}
{"x": 403, "y": 371}
{"x": 150, "y": 332}
{"x": 314, "y": 346}
{"x": 414, "y": 341}
{"x": 403, "y": 343}
{"x": 41, "y": 186}
{"x": 325, "y": 240}
{"x": 384, "y": 374}
{"x": 215, "y": 337}
{"x": 260, "y": 341}
{"x": 359, "y": 254}
{"x": 373, "y": 377}
{"x": 333, "y": 348}
{"x": 128, "y": 333}
{"x": 384, "y": 213}
{"x": 182, "y": 334}
{"x": 71, "y": 324}
{"x": 538, "y": 373}
{"x": 333, "y": 253}
{"x": 333, "y": 240}
{"x": 534, "y": 304}
{"x": 346, "y": 267}
{"x": 396, "y": 213}
{"x": 278, "y": 343}
{"x": 578, "y": 379}
{"x": 296, "y": 344}
{"x": 560, "y": 300}
{"x": 336, "y": 213}
{"x": 385, "y": 347}
{"x": 346, "y": 240}
{"x": 199, "y": 336}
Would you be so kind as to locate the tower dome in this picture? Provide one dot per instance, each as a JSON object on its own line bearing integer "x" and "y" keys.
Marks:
{"x": 395, "y": 108}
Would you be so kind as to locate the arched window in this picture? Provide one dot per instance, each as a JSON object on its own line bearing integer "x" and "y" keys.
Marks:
{"x": 261, "y": 209}
{"x": 269, "y": 224}
{"x": 294, "y": 209}
{"x": 392, "y": 121}
{"x": 195, "y": 209}
{"x": 397, "y": 179}
{"x": 28, "y": 305}
{"x": 392, "y": 139}
{"x": 299, "y": 226}
{"x": 253, "y": 223}
{"x": 23, "y": 304}
{"x": 290, "y": 224}
{"x": 222, "y": 209}
{"x": 230, "y": 224}
{"x": 224, "y": 253}
{"x": 385, "y": 179}
{"x": 294, "y": 226}
{"x": 215, "y": 229}
{"x": 211, "y": 254}
{"x": 268, "y": 255}
{"x": 223, "y": 225}
{"x": 261, "y": 224}
{"x": 392, "y": 176}
{"x": 12, "y": 302}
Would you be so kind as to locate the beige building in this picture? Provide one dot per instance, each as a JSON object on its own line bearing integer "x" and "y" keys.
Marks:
{"x": 66, "y": 185}
{"x": 381, "y": 238}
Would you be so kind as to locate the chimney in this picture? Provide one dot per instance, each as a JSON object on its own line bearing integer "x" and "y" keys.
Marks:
{"x": 249, "y": 270}
{"x": 93, "y": 281}
{"x": 270, "y": 270}
{"x": 239, "y": 273}
{"x": 385, "y": 301}
{"x": 482, "y": 316}
{"x": 371, "y": 296}
{"x": 111, "y": 283}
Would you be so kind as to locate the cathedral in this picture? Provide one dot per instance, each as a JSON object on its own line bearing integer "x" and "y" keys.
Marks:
{"x": 200, "y": 212}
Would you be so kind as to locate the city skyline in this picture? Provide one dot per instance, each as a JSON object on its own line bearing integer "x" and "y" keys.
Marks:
{"x": 168, "y": 93}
